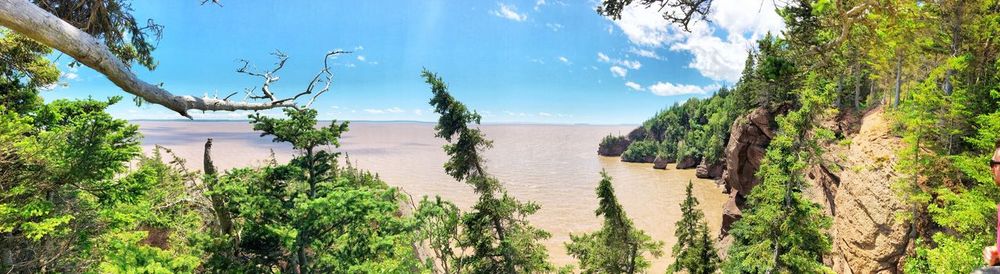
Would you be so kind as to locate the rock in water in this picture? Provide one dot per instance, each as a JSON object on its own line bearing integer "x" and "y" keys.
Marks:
{"x": 661, "y": 162}
{"x": 613, "y": 147}
{"x": 687, "y": 162}
{"x": 708, "y": 171}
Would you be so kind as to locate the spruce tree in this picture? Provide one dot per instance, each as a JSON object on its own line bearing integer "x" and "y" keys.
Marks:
{"x": 694, "y": 251}
{"x": 618, "y": 247}
{"x": 496, "y": 229}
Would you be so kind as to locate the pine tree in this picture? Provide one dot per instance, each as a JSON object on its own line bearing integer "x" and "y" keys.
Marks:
{"x": 782, "y": 230}
{"x": 618, "y": 247}
{"x": 694, "y": 250}
{"x": 496, "y": 230}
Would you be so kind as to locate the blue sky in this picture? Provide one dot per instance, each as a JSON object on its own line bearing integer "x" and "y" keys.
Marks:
{"x": 538, "y": 61}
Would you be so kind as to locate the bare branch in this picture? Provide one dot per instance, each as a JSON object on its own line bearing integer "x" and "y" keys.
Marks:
{"x": 203, "y": 2}
{"x": 29, "y": 20}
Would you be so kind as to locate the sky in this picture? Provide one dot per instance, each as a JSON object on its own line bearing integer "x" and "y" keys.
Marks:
{"x": 532, "y": 61}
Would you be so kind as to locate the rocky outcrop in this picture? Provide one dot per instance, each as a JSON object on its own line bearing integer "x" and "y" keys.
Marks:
{"x": 613, "y": 146}
{"x": 709, "y": 171}
{"x": 867, "y": 235}
{"x": 748, "y": 140}
{"x": 638, "y": 133}
{"x": 687, "y": 162}
{"x": 661, "y": 162}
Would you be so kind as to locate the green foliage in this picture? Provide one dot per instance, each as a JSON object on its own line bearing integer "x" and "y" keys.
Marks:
{"x": 67, "y": 187}
{"x": 781, "y": 230}
{"x": 496, "y": 230}
{"x": 618, "y": 247}
{"x": 113, "y": 23}
{"x": 309, "y": 215}
{"x": 25, "y": 71}
{"x": 694, "y": 251}
{"x": 640, "y": 151}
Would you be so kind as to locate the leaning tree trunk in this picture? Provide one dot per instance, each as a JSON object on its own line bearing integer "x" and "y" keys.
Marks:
{"x": 32, "y": 21}
{"x": 218, "y": 204}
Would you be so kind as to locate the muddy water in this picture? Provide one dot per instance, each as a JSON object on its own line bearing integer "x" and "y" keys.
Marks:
{"x": 554, "y": 165}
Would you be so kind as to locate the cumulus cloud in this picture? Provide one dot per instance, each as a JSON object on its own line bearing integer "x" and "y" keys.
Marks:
{"x": 564, "y": 59}
{"x": 361, "y": 58}
{"x": 618, "y": 71}
{"x": 633, "y": 85}
{"x": 670, "y": 89}
{"x": 539, "y": 4}
{"x": 509, "y": 12}
{"x": 719, "y": 49}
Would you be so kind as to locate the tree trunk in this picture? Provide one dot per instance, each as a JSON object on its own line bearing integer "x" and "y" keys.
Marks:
{"x": 899, "y": 82}
{"x": 218, "y": 204}
{"x": 29, "y": 20}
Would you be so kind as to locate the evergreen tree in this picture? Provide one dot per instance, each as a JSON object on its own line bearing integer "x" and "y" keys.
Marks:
{"x": 496, "y": 229}
{"x": 694, "y": 251}
{"x": 311, "y": 216}
{"x": 618, "y": 247}
{"x": 781, "y": 230}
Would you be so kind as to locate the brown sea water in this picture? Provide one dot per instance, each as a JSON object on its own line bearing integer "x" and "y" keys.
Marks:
{"x": 556, "y": 166}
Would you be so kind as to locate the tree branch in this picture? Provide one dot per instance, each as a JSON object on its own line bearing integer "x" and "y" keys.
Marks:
{"x": 33, "y": 22}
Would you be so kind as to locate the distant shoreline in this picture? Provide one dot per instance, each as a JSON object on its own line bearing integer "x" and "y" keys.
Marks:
{"x": 384, "y": 122}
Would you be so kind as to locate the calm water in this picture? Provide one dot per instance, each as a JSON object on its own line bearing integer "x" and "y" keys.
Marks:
{"x": 556, "y": 166}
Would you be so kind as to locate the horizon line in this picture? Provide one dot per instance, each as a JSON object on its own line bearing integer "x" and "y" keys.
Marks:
{"x": 389, "y": 121}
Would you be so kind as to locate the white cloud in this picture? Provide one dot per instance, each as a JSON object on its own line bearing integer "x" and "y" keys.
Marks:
{"x": 509, "y": 12}
{"x": 418, "y": 112}
{"x": 630, "y": 64}
{"x": 564, "y": 60}
{"x": 646, "y": 53}
{"x": 545, "y": 114}
{"x": 719, "y": 49}
{"x": 618, "y": 71}
{"x": 71, "y": 75}
{"x": 621, "y": 62}
{"x": 670, "y": 89}
{"x": 603, "y": 57}
{"x": 383, "y": 111}
{"x": 359, "y": 48}
{"x": 633, "y": 85}
{"x": 361, "y": 58}
{"x": 554, "y": 26}
{"x": 539, "y": 4}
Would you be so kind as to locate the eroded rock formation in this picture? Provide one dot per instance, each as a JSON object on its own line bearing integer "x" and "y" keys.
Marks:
{"x": 687, "y": 162}
{"x": 748, "y": 141}
{"x": 709, "y": 171}
{"x": 854, "y": 184}
{"x": 661, "y": 162}
{"x": 615, "y": 148}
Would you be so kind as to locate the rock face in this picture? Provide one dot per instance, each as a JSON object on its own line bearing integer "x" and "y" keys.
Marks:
{"x": 661, "y": 163}
{"x": 867, "y": 236}
{"x": 709, "y": 171}
{"x": 614, "y": 148}
{"x": 687, "y": 162}
{"x": 748, "y": 140}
